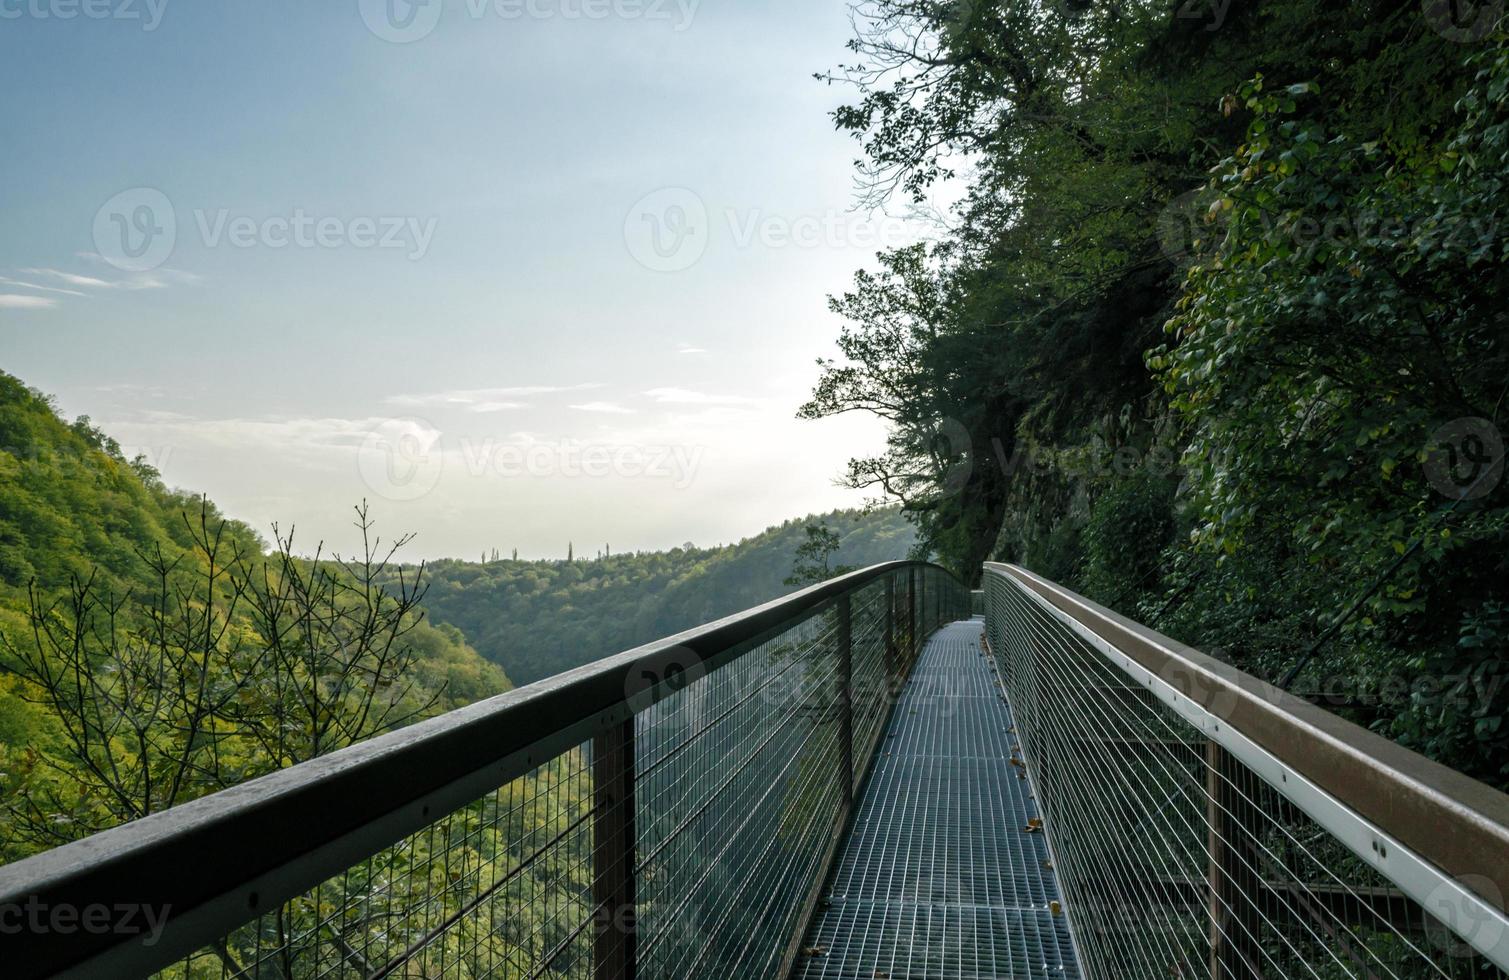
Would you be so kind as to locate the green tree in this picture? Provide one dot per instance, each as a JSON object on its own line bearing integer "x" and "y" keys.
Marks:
{"x": 813, "y": 561}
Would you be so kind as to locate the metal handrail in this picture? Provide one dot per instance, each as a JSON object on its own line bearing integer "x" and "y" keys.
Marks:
{"x": 221, "y": 860}
{"x": 1457, "y": 825}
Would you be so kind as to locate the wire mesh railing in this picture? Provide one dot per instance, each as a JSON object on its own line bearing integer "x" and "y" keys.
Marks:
{"x": 668, "y": 812}
{"x": 1204, "y": 824}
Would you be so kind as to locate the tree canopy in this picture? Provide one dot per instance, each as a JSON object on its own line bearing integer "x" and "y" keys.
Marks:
{"x": 1220, "y": 306}
{"x": 538, "y": 618}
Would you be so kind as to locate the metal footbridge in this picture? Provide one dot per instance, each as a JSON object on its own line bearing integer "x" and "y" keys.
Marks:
{"x": 881, "y": 776}
{"x": 945, "y": 872}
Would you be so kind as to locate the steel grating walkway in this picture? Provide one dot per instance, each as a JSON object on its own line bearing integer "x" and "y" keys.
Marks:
{"x": 939, "y": 877}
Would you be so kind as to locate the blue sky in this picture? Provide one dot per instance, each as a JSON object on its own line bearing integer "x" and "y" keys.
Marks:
{"x": 518, "y": 272}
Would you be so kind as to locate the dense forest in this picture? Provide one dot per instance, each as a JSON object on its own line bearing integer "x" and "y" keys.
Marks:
{"x": 1217, "y": 332}
{"x": 152, "y": 650}
{"x": 537, "y": 618}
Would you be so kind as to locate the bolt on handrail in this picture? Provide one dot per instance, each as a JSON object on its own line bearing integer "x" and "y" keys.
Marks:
{"x": 1207, "y": 823}
{"x": 652, "y": 807}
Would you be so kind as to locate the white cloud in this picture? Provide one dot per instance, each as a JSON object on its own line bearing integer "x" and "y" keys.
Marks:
{"x": 684, "y": 396}
{"x": 486, "y": 407}
{"x": 282, "y": 434}
{"x": 688, "y": 349}
{"x": 134, "y": 390}
{"x": 155, "y": 279}
{"x": 46, "y": 289}
{"x": 497, "y": 398}
{"x": 73, "y": 279}
{"x": 15, "y": 301}
{"x": 83, "y": 285}
{"x": 607, "y": 408}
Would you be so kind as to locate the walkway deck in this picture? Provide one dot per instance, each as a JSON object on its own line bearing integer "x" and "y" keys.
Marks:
{"x": 939, "y": 877}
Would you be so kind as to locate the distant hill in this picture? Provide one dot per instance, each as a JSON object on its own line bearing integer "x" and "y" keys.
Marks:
{"x": 72, "y": 509}
{"x": 537, "y": 618}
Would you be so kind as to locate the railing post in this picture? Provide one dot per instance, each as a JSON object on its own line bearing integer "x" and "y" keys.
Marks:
{"x": 922, "y": 607}
{"x": 892, "y": 667}
{"x": 1233, "y": 881}
{"x": 613, "y": 853}
{"x": 911, "y": 617}
{"x": 846, "y": 694}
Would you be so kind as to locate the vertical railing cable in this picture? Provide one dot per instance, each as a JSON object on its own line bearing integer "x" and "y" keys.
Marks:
{"x": 1206, "y": 824}
{"x": 846, "y": 697}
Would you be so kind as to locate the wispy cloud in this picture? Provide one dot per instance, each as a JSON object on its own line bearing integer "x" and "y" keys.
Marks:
{"x": 75, "y": 284}
{"x": 162, "y": 274}
{"x": 299, "y": 434}
{"x": 484, "y": 399}
{"x": 606, "y": 408}
{"x": 689, "y": 349}
{"x": 685, "y": 396}
{"x": 134, "y": 390}
{"x": 15, "y": 301}
{"x": 72, "y": 278}
{"x": 40, "y": 288}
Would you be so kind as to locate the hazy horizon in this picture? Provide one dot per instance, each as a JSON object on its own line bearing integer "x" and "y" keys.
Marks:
{"x": 517, "y": 274}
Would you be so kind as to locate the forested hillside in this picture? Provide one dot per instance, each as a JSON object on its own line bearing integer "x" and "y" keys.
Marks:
{"x": 1218, "y": 332}
{"x": 152, "y": 650}
{"x": 537, "y": 618}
